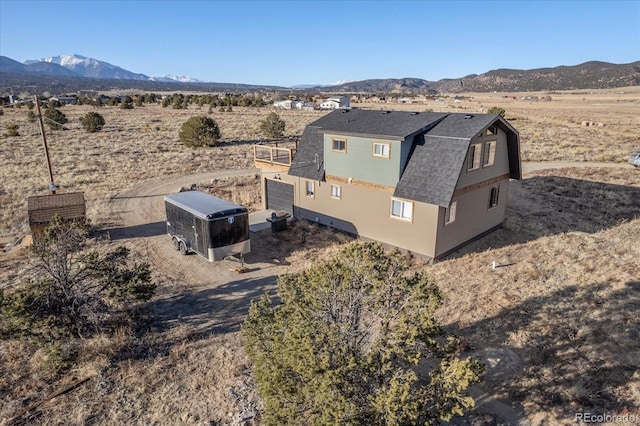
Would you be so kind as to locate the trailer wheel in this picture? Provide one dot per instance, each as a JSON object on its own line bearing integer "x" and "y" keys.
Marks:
{"x": 183, "y": 249}
{"x": 176, "y": 243}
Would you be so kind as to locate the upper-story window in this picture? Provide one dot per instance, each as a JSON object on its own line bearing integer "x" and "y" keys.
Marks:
{"x": 402, "y": 209}
{"x": 473, "y": 160}
{"x": 492, "y": 130}
{"x": 339, "y": 145}
{"x": 489, "y": 153}
{"x": 381, "y": 150}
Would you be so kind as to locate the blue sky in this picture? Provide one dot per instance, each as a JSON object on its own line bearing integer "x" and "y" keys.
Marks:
{"x": 286, "y": 43}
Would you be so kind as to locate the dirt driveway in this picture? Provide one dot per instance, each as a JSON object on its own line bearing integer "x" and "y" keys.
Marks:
{"x": 210, "y": 296}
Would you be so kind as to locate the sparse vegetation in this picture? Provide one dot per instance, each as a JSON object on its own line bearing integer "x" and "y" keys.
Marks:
{"x": 567, "y": 273}
{"x": 200, "y": 131}
{"x": 12, "y": 130}
{"x": 55, "y": 118}
{"x": 92, "y": 122}
{"x": 72, "y": 290}
{"x": 272, "y": 126}
{"x": 496, "y": 110}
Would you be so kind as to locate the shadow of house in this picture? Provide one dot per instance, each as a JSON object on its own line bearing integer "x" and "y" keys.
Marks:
{"x": 138, "y": 231}
{"x": 580, "y": 346}
{"x": 217, "y": 310}
{"x": 549, "y": 205}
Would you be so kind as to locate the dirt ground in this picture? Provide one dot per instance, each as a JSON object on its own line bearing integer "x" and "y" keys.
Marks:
{"x": 555, "y": 320}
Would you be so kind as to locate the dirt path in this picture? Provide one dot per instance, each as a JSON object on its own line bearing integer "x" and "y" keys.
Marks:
{"x": 210, "y": 296}
{"x": 529, "y": 167}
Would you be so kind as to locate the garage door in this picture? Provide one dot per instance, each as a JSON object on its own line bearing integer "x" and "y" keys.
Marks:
{"x": 279, "y": 195}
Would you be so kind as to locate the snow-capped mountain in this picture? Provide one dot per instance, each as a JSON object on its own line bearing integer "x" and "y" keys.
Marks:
{"x": 176, "y": 78}
{"x": 90, "y": 67}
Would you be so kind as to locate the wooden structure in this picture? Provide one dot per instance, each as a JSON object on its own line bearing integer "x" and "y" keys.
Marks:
{"x": 42, "y": 208}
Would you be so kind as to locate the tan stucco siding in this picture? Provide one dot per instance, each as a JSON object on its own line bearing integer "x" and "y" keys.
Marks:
{"x": 366, "y": 212}
{"x": 483, "y": 173}
{"x": 473, "y": 216}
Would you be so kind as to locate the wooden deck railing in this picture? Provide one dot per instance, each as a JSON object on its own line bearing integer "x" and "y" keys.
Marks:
{"x": 273, "y": 155}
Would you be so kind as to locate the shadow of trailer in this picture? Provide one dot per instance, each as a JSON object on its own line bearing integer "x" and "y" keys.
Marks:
{"x": 207, "y": 225}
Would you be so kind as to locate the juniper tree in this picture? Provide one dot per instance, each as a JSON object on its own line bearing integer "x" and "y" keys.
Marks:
{"x": 272, "y": 126}
{"x": 200, "y": 131}
{"x": 342, "y": 343}
{"x": 73, "y": 289}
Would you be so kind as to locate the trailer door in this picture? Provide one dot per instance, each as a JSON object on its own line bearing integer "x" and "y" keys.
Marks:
{"x": 202, "y": 240}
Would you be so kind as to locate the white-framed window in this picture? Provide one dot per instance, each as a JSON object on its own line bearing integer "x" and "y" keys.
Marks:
{"x": 493, "y": 196}
{"x": 310, "y": 189}
{"x": 489, "y": 154}
{"x": 474, "y": 156}
{"x": 402, "y": 209}
{"x": 336, "y": 191}
{"x": 450, "y": 213}
{"x": 339, "y": 145}
{"x": 381, "y": 150}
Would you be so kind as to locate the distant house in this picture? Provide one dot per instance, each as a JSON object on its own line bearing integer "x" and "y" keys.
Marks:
{"x": 336, "y": 102}
{"x": 283, "y": 104}
{"x": 65, "y": 100}
{"x": 427, "y": 182}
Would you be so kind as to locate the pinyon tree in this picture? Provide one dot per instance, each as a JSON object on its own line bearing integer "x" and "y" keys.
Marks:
{"x": 354, "y": 341}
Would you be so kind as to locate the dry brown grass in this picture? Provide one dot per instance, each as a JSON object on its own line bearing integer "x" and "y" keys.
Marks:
{"x": 565, "y": 300}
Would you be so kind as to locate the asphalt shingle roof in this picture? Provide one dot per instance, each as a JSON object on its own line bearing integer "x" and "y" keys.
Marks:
{"x": 393, "y": 124}
{"x": 310, "y": 153}
{"x": 432, "y": 172}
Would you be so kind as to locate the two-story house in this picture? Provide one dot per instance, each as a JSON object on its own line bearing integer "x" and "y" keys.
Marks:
{"x": 336, "y": 102}
{"x": 422, "y": 181}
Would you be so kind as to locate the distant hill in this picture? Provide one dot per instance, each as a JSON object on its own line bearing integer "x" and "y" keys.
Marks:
{"x": 70, "y": 73}
{"x": 590, "y": 75}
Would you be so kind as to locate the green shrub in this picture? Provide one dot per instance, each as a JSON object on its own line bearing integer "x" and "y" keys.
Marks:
{"x": 12, "y": 130}
{"x": 497, "y": 110}
{"x": 343, "y": 343}
{"x": 54, "y": 118}
{"x": 92, "y": 122}
{"x": 272, "y": 126}
{"x": 200, "y": 131}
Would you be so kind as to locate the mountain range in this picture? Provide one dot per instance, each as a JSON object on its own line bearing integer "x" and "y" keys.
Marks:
{"x": 71, "y": 73}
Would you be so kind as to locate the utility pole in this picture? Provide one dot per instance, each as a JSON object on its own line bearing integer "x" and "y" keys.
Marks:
{"x": 52, "y": 186}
